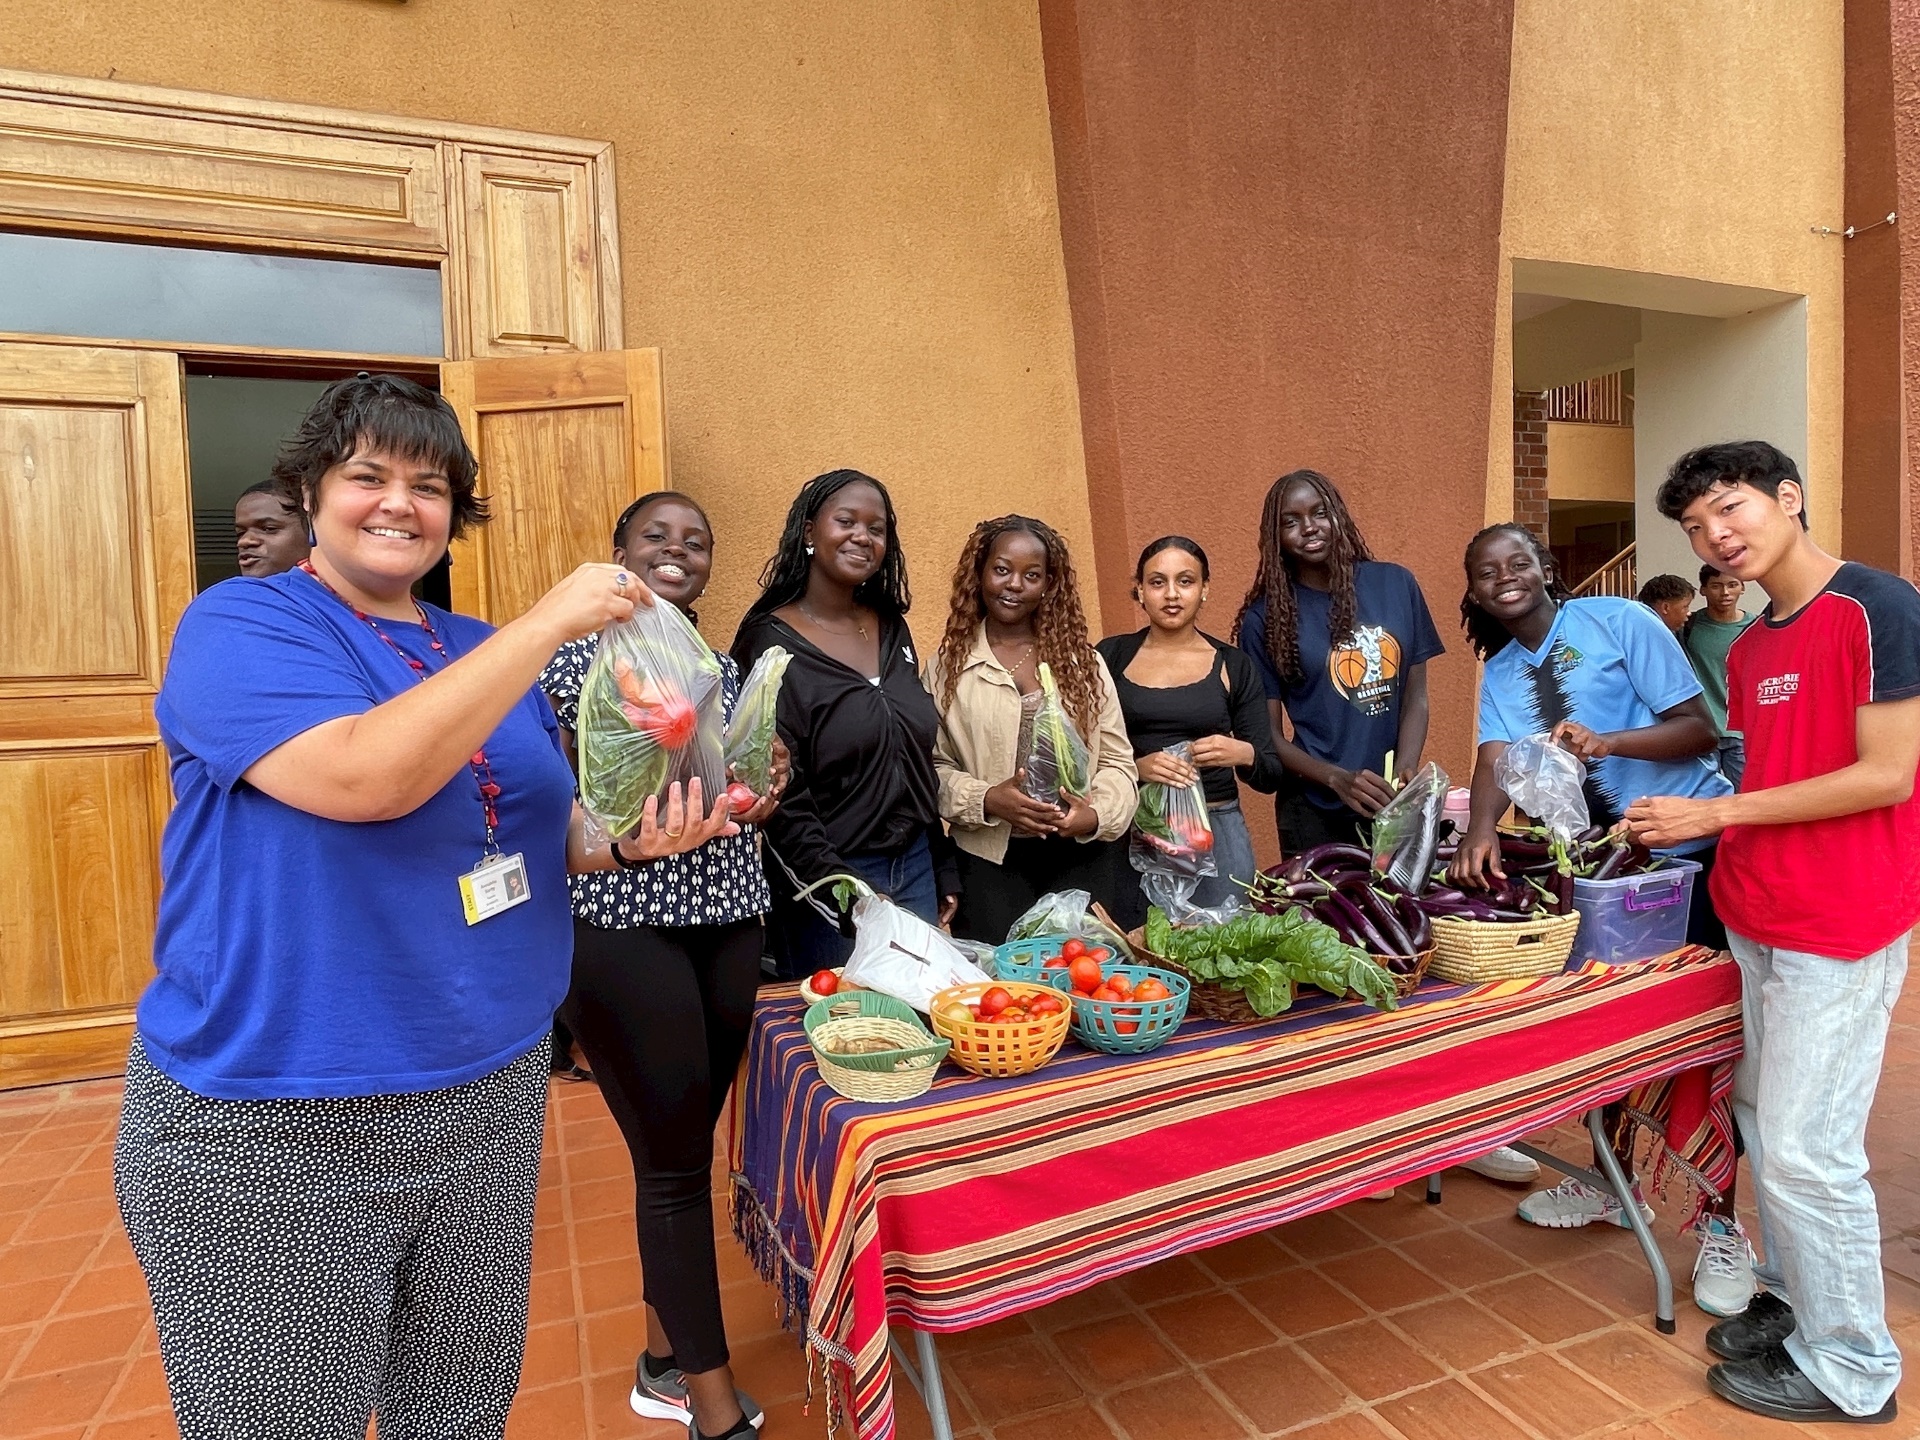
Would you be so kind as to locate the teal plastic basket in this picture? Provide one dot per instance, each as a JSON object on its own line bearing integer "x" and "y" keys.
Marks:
{"x": 1096, "y": 1022}
{"x": 1021, "y": 959}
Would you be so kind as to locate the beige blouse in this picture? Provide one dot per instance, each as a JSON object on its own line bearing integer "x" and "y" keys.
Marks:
{"x": 976, "y": 750}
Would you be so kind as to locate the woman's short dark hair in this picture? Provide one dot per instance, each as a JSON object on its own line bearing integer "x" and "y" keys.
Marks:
{"x": 1171, "y": 542}
{"x": 1665, "y": 587}
{"x": 380, "y": 412}
{"x": 1721, "y": 467}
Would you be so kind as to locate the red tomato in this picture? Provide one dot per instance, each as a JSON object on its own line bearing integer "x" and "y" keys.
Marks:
{"x": 973, "y": 1010}
{"x": 740, "y": 798}
{"x": 1101, "y": 953}
{"x": 1045, "y": 1005}
{"x": 823, "y": 982}
{"x": 1085, "y": 971}
{"x": 1104, "y": 992}
{"x": 1012, "y": 1015}
{"x": 994, "y": 1001}
{"x": 1120, "y": 985}
{"x": 1151, "y": 989}
{"x": 1054, "y": 962}
{"x": 1126, "y": 1027}
{"x": 1073, "y": 949}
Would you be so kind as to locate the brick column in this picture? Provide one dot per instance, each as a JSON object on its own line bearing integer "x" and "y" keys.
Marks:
{"x": 1530, "y": 461}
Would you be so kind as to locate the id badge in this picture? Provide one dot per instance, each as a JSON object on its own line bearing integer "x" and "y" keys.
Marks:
{"x": 497, "y": 883}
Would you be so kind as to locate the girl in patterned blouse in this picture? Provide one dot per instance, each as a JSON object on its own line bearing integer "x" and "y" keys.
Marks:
{"x": 666, "y": 957}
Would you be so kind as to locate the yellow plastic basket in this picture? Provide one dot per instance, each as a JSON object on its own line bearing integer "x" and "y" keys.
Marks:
{"x": 987, "y": 1047}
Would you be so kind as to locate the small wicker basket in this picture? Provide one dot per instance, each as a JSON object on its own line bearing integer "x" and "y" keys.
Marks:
{"x": 1474, "y": 952}
{"x": 1406, "y": 979}
{"x": 813, "y": 996}
{"x": 986, "y": 1047}
{"x": 899, "y": 1073}
{"x": 1205, "y": 999}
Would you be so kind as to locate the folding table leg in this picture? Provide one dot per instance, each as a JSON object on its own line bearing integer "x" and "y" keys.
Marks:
{"x": 926, "y": 1379}
{"x": 1433, "y": 1188}
{"x": 1623, "y": 1188}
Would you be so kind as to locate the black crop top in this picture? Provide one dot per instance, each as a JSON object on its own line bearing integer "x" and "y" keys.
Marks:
{"x": 1228, "y": 701}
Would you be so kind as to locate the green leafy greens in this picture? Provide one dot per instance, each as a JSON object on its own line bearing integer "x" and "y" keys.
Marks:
{"x": 1263, "y": 956}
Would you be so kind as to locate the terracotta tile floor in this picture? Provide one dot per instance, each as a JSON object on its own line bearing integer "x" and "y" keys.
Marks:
{"x": 1380, "y": 1320}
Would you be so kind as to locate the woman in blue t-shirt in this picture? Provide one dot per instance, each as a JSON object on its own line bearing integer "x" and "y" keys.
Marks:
{"x": 1606, "y": 678}
{"x": 330, "y": 1137}
{"x": 1341, "y": 642}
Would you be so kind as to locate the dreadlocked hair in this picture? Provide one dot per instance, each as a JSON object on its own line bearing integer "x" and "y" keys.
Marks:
{"x": 1059, "y": 624}
{"x": 784, "y": 578}
{"x": 1486, "y": 634}
{"x": 1275, "y": 579}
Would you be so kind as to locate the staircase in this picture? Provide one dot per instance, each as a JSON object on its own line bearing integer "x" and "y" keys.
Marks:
{"x": 1616, "y": 577}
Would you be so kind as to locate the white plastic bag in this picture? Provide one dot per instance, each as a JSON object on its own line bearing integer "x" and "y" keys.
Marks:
{"x": 1544, "y": 780}
{"x": 896, "y": 952}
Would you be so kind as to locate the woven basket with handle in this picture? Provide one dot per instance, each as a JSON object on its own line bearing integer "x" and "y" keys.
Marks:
{"x": 1473, "y": 952}
{"x": 900, "y": 1072}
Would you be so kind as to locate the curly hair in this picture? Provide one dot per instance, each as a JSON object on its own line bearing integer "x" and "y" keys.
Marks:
{"x": 1059, "y": 624}
{"x": 784, "y": 578}
{"x": 1486, "y": 634}
{"x": 379, "y": 412}
{"x": 1273, "y": 582}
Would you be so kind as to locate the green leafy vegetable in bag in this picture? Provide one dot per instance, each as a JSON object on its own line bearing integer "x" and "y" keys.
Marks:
{"x": 1057, "y": 759}
{"x": 1264, "y": 955}
{"x": 750, "y": 731}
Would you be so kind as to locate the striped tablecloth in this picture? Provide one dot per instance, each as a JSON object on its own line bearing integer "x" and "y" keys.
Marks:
{"x": 987, "y": 1197}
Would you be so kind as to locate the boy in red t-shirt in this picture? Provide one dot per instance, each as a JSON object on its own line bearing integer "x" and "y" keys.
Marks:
{"x": 1818, "y": 881}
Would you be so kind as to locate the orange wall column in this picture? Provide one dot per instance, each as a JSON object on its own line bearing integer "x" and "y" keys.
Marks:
{"x": 1281, "y": 226}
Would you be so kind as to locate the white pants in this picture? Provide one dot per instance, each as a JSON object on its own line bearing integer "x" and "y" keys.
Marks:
{"x": 1816, "y": 1031}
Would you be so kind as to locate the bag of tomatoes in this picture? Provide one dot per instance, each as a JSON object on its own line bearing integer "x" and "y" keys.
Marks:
{"x": 652, "y": 713}
{"x": 1172, "y": 834}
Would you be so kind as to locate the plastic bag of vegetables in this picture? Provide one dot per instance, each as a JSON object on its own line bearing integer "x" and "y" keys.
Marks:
{"x": 1055, "y": 758}
{"x": 749, "y": 752}
{"x": 1068, "y": 912}
{"x": 1545, "y": 780}
{"x": 1171, "y": 833}
{"x": 1406, "y": 832}
{"x": 651, "y": 713}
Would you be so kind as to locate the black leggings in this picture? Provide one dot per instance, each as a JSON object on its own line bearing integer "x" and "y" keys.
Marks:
{"x": 662, "y": 1015}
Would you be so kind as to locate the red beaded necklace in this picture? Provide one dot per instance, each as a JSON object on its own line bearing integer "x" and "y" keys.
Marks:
{"x": 481, "y": 768}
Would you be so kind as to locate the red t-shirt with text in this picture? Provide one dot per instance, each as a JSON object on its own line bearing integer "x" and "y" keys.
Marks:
{"x": 1847, "y": 886}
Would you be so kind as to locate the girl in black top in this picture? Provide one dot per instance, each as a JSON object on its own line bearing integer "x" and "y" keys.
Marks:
{"x": 1177, "y": 683}
{"x": 863, "y": 798}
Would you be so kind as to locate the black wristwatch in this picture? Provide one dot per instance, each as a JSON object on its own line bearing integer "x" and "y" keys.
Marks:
{"x": 621, "y": 862}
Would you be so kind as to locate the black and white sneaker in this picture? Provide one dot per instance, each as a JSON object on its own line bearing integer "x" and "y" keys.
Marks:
{"x": 664, "y": 1397}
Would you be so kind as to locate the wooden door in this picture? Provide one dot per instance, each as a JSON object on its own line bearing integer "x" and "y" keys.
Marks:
{"x": 96, "y": 566}
{"x": 565, "y": 442}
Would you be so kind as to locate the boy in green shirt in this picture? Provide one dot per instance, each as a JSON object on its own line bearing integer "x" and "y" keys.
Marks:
{"x": 1705, "y": 637}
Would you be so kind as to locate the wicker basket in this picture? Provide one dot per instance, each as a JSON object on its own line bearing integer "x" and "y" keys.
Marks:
{"x": 813, "y": 996}
{"x": 1473, "y": 952}
{"x": 1128, "y": 1027}
{"x": 1205, "y": 999}
{"x": 1405, "y": 982}
{"x": 988, "y": 1048}
{"x": 897, "y": 1074}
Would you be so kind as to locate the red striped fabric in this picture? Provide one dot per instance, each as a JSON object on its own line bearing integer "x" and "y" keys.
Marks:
{"x": 984, "y": 1198}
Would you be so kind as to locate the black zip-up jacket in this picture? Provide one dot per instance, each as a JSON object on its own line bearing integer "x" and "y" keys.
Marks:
{"x": 863, "y": 780}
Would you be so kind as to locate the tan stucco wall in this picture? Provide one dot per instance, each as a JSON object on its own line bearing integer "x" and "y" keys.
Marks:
{"x": 838, "y": 221}
{"x": 1684, "y": 138}
{"x": 1589, "y": 462}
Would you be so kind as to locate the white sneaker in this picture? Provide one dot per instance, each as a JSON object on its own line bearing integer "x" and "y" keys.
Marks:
{"x": 1723, "y": 1270}
{"x": 1573, "y": 1203}
{"x": 1507, "y": 1165}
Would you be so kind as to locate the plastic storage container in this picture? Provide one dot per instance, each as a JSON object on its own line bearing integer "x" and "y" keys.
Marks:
{"x": 1635, "y": 917}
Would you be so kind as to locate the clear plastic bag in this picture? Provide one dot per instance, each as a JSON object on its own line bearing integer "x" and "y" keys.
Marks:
{"x": 1069, "y": 913}
{"x": 651, "y": 714}
{"x": 1172, "y": 834}
{"x": 1545, "y": 780}
{"x": 1406, "y": 832}
{"x": 1172, "y": 895}
{"x": 898, "y": 953}
{"x": 749, "y": 752}
{"x": 1055, "y": 758}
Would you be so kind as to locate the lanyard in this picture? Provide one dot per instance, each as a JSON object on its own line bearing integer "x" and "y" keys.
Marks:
{"x": 482, "y": 770}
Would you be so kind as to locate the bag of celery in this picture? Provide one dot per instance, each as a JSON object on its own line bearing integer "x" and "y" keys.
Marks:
{"x": 1056, "y": 759}
{"x": 750, "y": 731}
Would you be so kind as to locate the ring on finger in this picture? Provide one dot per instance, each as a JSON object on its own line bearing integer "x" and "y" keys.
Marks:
{"x": 620, "y": 580}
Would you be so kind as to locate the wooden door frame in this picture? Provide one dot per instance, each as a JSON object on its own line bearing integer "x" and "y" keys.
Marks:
{"x": 240, "y": 173}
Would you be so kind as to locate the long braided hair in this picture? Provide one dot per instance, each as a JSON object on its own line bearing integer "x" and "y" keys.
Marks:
{"x": 1059, "y": 624}
{"x": 1486, "y": 634}
{"x": 1275, "y": 579}
{"x": 784, "y": 578}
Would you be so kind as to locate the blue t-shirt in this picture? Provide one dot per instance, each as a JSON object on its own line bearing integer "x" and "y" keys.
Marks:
{"x": 302, "y": 957}
{"x": 1346, "y": 708}
{"x": 1609, "y": 664}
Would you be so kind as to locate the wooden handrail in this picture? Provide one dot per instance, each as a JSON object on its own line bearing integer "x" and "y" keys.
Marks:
{"x": 1613, "y": 578}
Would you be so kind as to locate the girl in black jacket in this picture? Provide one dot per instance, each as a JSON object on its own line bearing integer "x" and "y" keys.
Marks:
{"x": 863, "y": 798}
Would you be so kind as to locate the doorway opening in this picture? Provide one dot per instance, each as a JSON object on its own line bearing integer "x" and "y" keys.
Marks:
{"x": 237, "y": 419}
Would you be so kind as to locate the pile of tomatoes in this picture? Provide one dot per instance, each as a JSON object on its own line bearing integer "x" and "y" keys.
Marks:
{"x": 999, "y": 1006}
{"x": 1074, "y": 950}
{"x": 1091, "y": 982}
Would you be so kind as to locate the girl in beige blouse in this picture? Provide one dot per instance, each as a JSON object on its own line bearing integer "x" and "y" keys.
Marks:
{"x": 1015, "y": 605}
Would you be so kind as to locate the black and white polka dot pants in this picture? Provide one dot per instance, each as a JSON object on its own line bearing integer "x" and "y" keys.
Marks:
{"x": 316, "y": 1262}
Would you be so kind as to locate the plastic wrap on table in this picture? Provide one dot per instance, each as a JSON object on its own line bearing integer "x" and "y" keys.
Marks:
{"x": 652, "y": 714}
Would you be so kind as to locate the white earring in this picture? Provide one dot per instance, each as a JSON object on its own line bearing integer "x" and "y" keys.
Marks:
{"x": 809, "y": 549}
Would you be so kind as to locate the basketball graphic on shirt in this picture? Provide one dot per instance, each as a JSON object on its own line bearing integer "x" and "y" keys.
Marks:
{"x": 1363, "y": 668}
